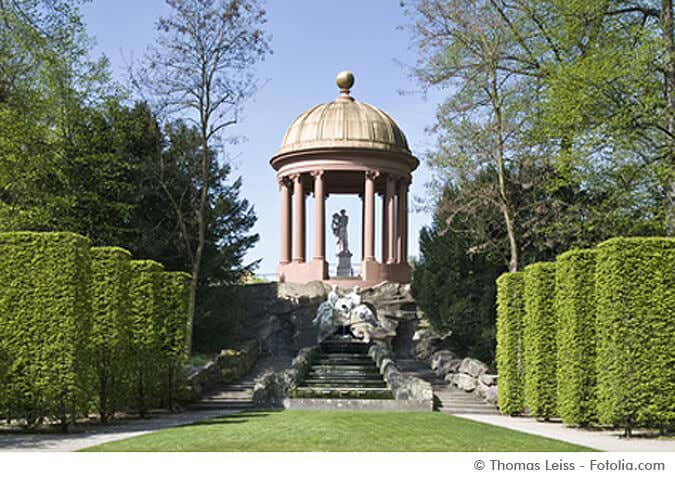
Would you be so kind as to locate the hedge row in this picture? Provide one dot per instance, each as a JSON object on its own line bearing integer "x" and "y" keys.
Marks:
{"x": 84, "y": 328}
{"x": 110, "y": 327}
{"x": 599, "y": 335}
{"x": 635, "y": 283}
{"x": 575, "y": 310}
{"x": 173, "y": 333}
{"x": 44, "y": 324}
{"x": 539, "y": 337}
{"x": 510, "y": 311}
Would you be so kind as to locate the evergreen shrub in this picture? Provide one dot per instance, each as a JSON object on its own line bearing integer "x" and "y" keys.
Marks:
{"x": 173, "y": 333}
{"x": 144, "y": 330}
{"x": 110, "y": 327}
{"x": 575, "y": 315}
{"x": 635, "y": 288}
{"x": 45, "y": 325}
{"x": 510, "y": 313}
{"x": 539, "y": 336}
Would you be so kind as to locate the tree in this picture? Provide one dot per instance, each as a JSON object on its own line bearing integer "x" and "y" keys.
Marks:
{"x": 461, "y": 46}
{"x": 52, "y": 117}
{"x": 607, "y": 70}
{"x": 456, "y": 288}
{"x": 201, "y": 68}
{"x": 227, "y": 239}
{"x": 560, "y": 102}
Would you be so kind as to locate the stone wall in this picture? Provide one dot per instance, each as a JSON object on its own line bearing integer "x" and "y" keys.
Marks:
{"x": 273, "y": 388}
{"x": 279, "y": 315}
{"x": 468, "y": 374}
{"x": 229, "y": 366}
{"x": 404, "y": 388}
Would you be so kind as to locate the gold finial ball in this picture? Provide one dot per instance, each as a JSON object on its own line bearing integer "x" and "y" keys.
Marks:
{"x": 345, "y": 79}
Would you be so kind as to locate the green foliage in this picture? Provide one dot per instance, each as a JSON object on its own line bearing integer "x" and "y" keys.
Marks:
{"x": 510, "y": 315}
{"x": 173, "y": 332}
{"x": 539, "y": 338}
{"x": 75, "y": 156}
{"x": 456, "y": 289}
{"x": 635, "y": 287}
{"x": 144, "y": 317}
{"x": 45, "y": 325}
{"x": 575, "y": 315}
{"x": 109, "y": 287}
{"x": 220, "y": 313}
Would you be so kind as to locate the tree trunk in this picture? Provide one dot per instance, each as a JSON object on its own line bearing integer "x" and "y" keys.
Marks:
{"x": 669, "y": 89}
{"x": 506, "y": 211}
{"x": 201, "y": 235}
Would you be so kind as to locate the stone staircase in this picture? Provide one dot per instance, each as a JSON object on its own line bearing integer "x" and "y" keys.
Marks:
{"x": 343, "y": 370}
{"x": 229, "y": 396}
{"x": 447, "y": 398}
{"x": 239, "y": 395}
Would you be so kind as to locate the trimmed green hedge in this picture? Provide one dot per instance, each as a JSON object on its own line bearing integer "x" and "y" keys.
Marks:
{"x": 45, "y": 322}
{"x": 635, "y": 287}
{"x": 110, "y": 327}
{"x": 539, "y": 336}
{"x": 575, "y": 314}
{"x": 173, "y": 333}
{"x": 510, "y": 313}
{"x": 144, "y": 320}
{"x": 83, "y": 327}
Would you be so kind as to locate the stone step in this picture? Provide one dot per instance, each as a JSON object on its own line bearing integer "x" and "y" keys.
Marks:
{"x": 342, "y": 393}
{"x": 349, "y": 383}
{"x": 447, "y": 397}
{"x": 345, "y": 362}
{"x": 224, "y": 404}
{"x": 344, "y": 367}
{"x": 468, "y": 410}
{"x": 344, "y": 375}
{"x": 344, "y": 356}
{"x": 347, "y": 349}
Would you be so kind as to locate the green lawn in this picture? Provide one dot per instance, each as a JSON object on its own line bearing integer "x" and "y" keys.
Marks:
{"x": 290, "y": 431}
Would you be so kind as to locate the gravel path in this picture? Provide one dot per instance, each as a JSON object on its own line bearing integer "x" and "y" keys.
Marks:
{"x": 102, "y": 433}
{"x": 600, "y": 440}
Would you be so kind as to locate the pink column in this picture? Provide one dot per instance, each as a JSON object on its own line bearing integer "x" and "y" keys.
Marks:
{"x": 391, "y": 234}
{"x": 385, "y": 230}
{"x": 298, "y": 219}
{"x": 319, "y": 217}
{"x": 369, "y": 226}
{"x": 403, "y": 220}
{"x": 363, "y": 226}
{"x": 285, "y": 233}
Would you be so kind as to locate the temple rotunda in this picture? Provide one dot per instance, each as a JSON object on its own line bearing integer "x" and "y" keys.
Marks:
{"x": 344, "y": 147}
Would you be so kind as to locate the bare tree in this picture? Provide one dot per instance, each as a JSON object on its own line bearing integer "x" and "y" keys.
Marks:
{"x": 462, "y": 46}
{"x": 201, "y": 70}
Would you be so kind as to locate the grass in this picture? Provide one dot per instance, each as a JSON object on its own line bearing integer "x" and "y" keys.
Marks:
{"x": 336, "y": 431}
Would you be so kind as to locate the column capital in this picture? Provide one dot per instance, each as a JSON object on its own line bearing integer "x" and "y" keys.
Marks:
{"x": 318, "y": 174}
{"x": 284, "y": 181}
{"x": 295, "y": 177}
{"x": 405, "y": 180}
{"x": 372, "y": 174}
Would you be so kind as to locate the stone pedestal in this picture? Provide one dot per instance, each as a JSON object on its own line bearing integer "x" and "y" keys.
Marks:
{"x": 344, "y": 268}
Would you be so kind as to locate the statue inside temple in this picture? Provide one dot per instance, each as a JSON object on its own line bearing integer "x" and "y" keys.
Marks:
{"x": 339, "y": 227}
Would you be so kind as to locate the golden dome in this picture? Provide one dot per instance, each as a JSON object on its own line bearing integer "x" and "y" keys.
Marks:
{"x": 344, "y": 123}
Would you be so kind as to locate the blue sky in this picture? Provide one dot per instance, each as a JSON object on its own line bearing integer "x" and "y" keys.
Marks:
{"x": 312, "y": 41}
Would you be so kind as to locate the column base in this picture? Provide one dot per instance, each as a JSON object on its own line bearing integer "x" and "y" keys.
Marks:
{"x": 374, "y": 271}
{"x": 303, "y": 272}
